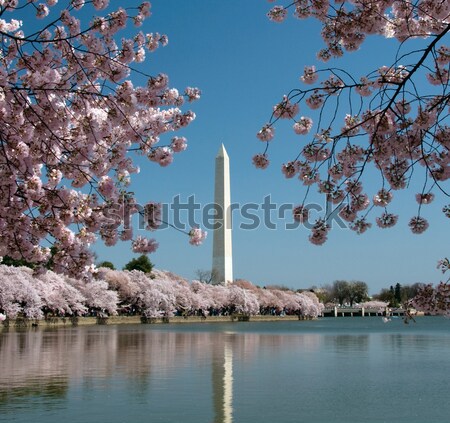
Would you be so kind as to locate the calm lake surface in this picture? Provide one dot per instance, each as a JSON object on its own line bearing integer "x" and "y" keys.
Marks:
{"x": 341, "y": 370}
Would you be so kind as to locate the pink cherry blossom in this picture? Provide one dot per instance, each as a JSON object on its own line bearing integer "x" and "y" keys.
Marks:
{"x": 42, "y": 11}
{"x": 337, "y": 196}
{"x": 277, "y": 14}
{"x": 446, "y": 210}
{"x": 347, "y": 213}
{"x": 289, "y": 169}
{"x": 425, "y": 198}
{"x": 300, "y": 213}
{"x": 285, "y": 109}
{"x": 161, "y": 155}
{"x": 192, "y": 93}
{"x": 389, "y": 122}
{"x": 303, "y": 126}
{"x": 310, "y": 75}
{"x": 360, "y": 226}
{"x": 178, "y": 144}
{"x": 244, "y": 301}
{"x": 260, "y": 161}
{"x": 319, "y": 232}
{"x": 326, "y": 187}
{"x": 418, "y": 225}
{"x": 359, "y": 202}
{"x": 315, "y": 100}
{"x": 144, "y": 245}
{"x": 444, "y": 265}
{"x": 97, "y": 295}
{"x": 266, "y": 133}
{"x": 382, "y": 198}
{"x": 387, "y": 220}
{"x": 434, "y": 300}
{"x": 68, "y": 141}
{"x": 197, "y": 236}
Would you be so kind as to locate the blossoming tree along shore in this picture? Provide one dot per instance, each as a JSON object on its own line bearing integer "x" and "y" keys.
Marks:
{"x": 161, "y": 294}
{"x": 70, "y": 120}
{"x": 395, "y": 118}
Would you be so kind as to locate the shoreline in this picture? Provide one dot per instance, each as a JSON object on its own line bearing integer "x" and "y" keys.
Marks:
{"x": 54, "y": 322}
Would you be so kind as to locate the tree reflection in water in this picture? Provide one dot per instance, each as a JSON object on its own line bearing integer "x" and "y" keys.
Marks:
{"x": 143, "y": 365}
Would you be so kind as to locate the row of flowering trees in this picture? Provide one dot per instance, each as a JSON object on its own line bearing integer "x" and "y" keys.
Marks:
{"x": 162, "y": 294}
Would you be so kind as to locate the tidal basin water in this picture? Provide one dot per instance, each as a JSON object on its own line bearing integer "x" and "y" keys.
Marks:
{"x": 341, "y": 370}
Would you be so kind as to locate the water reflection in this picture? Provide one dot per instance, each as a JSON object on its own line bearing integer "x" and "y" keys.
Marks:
{"x": 222, "y": 380}
{"x": 214, "y": 374}
{"x": 42, "y": 365}
{"x": 345, "y": 344}
{"x": 45, "y": 365}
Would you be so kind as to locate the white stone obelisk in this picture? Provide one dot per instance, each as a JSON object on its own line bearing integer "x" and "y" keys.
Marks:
{"x": 222, "y": 267}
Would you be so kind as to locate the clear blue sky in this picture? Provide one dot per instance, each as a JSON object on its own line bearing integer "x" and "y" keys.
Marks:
{"x": 244, "y": 64}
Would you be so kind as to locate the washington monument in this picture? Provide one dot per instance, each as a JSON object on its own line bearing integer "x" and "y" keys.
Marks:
{"x": 222, "y": 266}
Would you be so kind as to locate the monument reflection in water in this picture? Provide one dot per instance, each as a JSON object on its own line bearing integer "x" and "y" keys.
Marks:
{"x": 222, "y": 376}
{"x": 330, "y": 370}
{"x": 92, "y": 372}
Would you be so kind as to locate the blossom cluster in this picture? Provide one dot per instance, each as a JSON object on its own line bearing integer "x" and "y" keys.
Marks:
{"x": 394, "y": 119}
{"x": 70, "y": 119}
{"x": 435, "y": 300}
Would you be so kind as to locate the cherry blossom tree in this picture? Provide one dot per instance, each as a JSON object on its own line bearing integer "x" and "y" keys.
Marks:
{"x": 434, "y": 300}
{"x": 310, "y": 305}
{"x": 19, "y": 296}
{"x": 219, "y": 298}
{"x": 243, "y": 300}
{"x": 71, "y": 119}
{"x": 23, "y": 293}
{"x": 206, "y": 297}
{"x": 375, "y": 304}
{"x": 268, "y": 301}
{"x": 129, "y": 285}
{"x": 98, "y": 297}
{"x": 59, "y": 296}
{"x": 160, "y": 297}
{"x": 126, "y": 286}
{"x": 183, "y": 297}
{"x": 394, "y": 120}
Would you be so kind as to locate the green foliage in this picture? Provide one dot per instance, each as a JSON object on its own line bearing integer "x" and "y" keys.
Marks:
{"x": 107, "y": 264}
{"x": 340, "y": 291}
{"x": 8, "y": 261}
{"x": 141, "y": 263}
{"x": 398, "y": 295}
{"x": 386, "y": 295}
{"x": 352, "y": 292}
{"x": 358, "y": 292}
